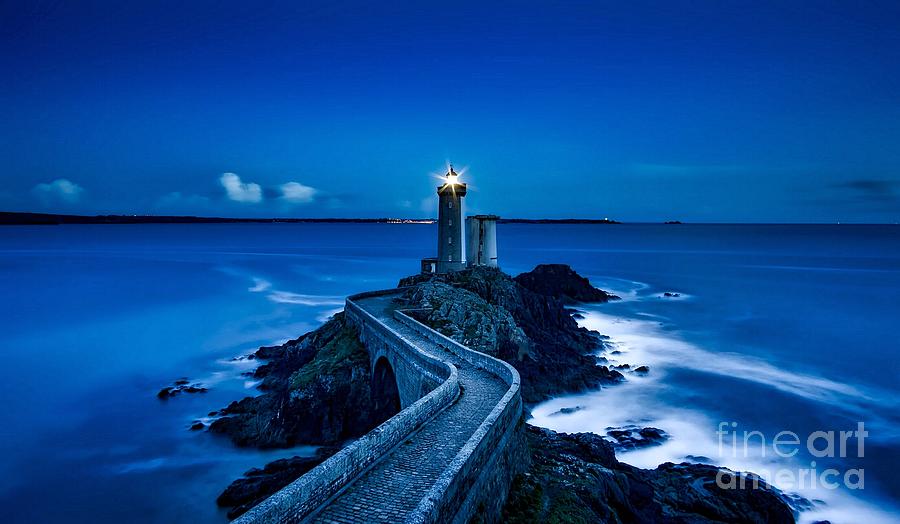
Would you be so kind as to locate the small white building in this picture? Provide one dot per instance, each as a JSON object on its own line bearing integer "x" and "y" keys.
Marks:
{"x": 481, "y": 240}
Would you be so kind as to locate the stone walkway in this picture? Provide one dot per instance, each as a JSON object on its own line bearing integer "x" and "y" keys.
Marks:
{"x": 394, "y": 486}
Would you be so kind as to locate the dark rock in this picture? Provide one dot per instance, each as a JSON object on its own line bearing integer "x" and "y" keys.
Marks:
{"x": 166, "y": 393}
{"x": 197, "y": 425}
{"x": 576, "y": 478}
{"x": 632, "y": 437}
{"x": 642, "y": 369}
{"x": 561, "y": 281}
{"x": 257, "y": 484}
{"x": 317, "y": 391}
{"x": 568, "y": 411}
{"x": 273, "y": 352}
{"x": 181, "y": 385}
{"x": 671, "y": 295}
{"x": 491, "y": 312}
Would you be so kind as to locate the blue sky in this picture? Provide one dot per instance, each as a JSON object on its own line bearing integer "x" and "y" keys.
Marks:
{"x": 701, "y": 111}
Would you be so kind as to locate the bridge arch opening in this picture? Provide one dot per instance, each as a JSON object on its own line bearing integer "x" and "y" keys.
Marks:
{"x": 385, "y": 392}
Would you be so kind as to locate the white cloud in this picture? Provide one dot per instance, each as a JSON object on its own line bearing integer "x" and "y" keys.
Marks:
{"x": 240, "y": 191}
{"x": 297, "y": 193}
{"x": 60, "y": 190}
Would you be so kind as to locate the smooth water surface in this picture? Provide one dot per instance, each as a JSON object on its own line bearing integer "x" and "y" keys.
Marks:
{"x": 777, "y": 328}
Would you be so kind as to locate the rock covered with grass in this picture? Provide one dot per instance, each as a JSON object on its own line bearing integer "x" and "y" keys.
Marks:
{"x": 316, "y": 390}
{"x": 488, "y": 310}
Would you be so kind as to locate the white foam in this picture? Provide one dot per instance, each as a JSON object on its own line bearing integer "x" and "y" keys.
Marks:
{"x": 327, "y": 314}
{"x": 627, "y": 290}
{"x": 640, "y": 401}
{"x": 259, "y": 285}
{"x": 646, "y": 342}
{"x": 287, "y": 297}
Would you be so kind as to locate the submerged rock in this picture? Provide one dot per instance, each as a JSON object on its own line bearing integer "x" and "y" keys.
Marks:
{"x": 633, "y": 437}
{"x": 181, "y": 385}
{"x": 576, "y": 478}
{"x": 567, "y": 411}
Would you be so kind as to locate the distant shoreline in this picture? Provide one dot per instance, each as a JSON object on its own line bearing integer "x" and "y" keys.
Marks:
{"x": 11, "y": 218}
{"x": 38, "y": 219}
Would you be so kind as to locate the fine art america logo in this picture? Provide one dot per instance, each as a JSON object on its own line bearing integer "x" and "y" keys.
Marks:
{"x": 787, "y": 444}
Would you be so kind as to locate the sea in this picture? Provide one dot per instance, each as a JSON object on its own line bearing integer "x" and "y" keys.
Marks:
{"x": 785, "y": 333}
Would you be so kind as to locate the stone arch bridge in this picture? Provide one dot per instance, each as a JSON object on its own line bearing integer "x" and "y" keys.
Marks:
{"x": 448, "y": 454}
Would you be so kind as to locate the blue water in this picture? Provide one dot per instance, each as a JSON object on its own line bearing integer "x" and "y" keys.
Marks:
{"x": 778, "y": 328}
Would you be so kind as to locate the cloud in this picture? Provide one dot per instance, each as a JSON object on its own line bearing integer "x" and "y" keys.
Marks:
{"x": 297, "y": 193}
{"x": 872, "y": 190}
{"x": 240, "y": 191}
{"x": 60, "y": 190}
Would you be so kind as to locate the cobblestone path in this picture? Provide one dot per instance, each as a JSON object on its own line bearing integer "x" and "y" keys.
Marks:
{"x": 395, "y": 485}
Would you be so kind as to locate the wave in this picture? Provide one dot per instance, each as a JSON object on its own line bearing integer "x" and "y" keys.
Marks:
{"x": 259, "y": 285}
{"x": 647, "y": 343}
{"x": 287, "y": 297}
{"x": 693, "y": 433}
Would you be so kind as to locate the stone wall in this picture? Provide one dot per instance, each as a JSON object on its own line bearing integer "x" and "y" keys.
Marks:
{"x": 477, "y": 481}
{"x": 313, "y": 489}
{"x": 478, "y": 478}
{"x": 416, "y": 372}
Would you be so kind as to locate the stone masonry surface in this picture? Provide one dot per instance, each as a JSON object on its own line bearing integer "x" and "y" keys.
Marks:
{"x": 393, "y": 488}
{"x": 427, "y": 475}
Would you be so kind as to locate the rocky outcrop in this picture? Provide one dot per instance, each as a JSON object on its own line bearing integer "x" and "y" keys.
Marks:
{"x": 257, "y": 484}
{"x": 316, "y": 391}
{"x": 488, "y": 310}
{"x": 576, "y": 478}
{"x": 561, "y": 281}
{"x": 633, "y": 437}
{"x": 181, "y": 385}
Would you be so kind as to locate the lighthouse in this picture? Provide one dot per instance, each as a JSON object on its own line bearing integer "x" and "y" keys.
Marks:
{"x": 450, "y": 225}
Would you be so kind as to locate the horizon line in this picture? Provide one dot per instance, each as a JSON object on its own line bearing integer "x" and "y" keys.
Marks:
{"x": 36, "y": 218}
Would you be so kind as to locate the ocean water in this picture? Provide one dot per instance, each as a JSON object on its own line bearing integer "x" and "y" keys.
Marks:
{"x": 777, "y": 328}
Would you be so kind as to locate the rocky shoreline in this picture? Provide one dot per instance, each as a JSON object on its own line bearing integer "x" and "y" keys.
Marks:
{"x": 576, "y": 478}
{"x": 316, "y": 391}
